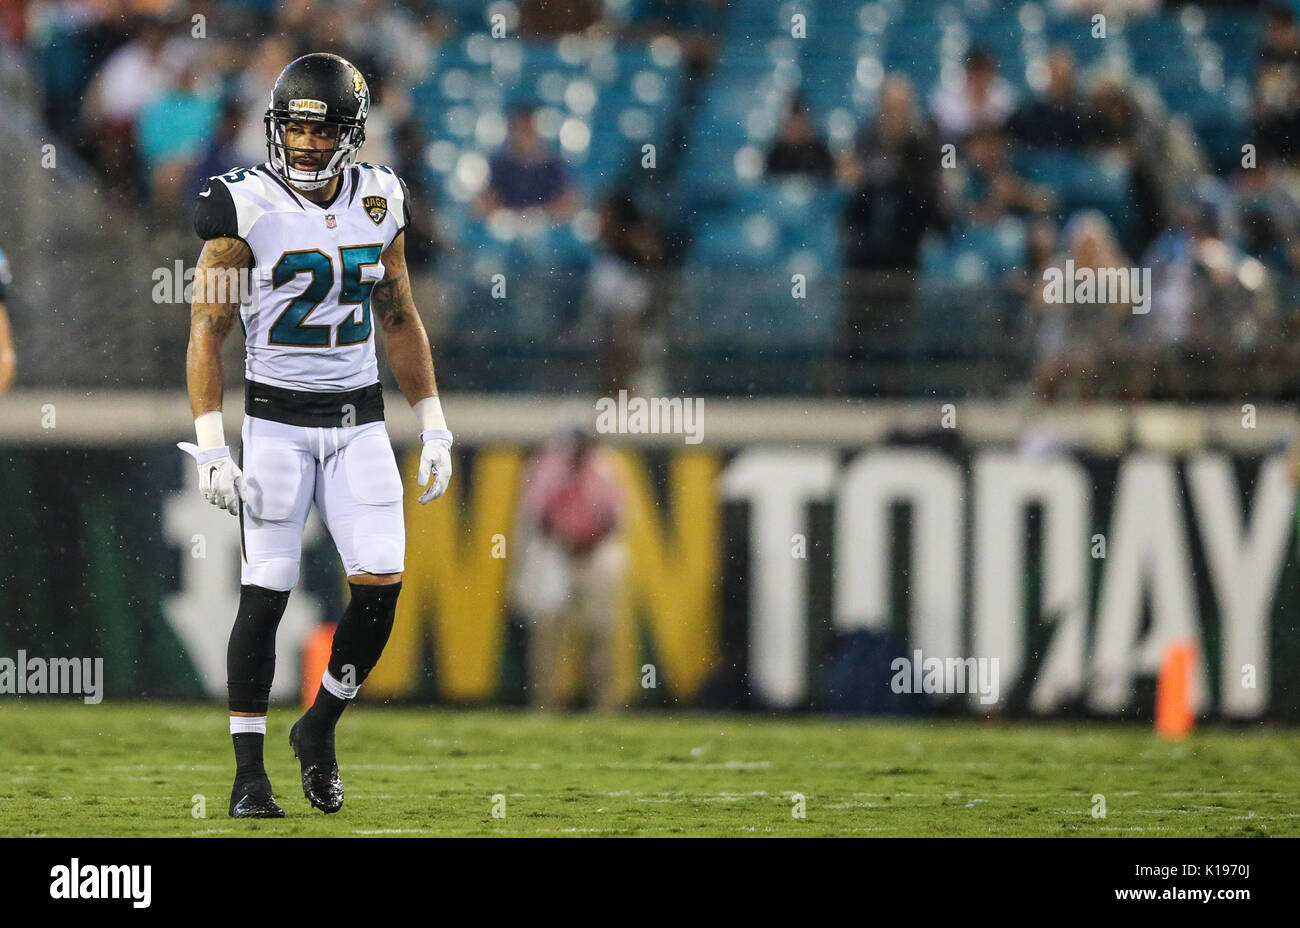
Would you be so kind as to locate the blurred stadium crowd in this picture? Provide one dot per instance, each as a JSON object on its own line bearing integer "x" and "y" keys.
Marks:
{"x": 702, "y": 197}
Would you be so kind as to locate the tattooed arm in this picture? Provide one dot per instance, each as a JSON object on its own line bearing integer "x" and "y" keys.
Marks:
{"x": 404, "y": 335}
{"x": 212, "y": 316}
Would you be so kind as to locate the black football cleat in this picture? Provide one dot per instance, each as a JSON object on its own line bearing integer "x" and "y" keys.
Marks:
{"x": 251, "y": 798}
{"x": 321, "y": 783}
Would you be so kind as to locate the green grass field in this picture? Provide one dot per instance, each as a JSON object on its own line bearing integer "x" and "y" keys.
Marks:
{"x": 73, "y": 770}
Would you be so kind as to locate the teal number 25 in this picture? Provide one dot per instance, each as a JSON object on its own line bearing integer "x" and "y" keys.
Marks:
{"x": 292, "y": 328}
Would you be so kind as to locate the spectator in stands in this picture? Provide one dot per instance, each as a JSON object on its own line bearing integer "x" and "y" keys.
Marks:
{"x": 798, "y": 149}
{"x": 70, "y": 42}
{"x": 1116, "y": 8}
{"x": 1113, "y": 117}
{"x": 13, "y": 20}
{"x": 1056, "y": 118}
{"x": 1280, "y": 38}
{"x": 1206, "y": 294}
{"x": 268, "y": 59}
{"x": 983, "y": 99}
{"x": 320, "y": 27}
{"x": 549, "y": 19}
{"x": 1070, "y": 338}
{"x": 1161, "y": 153}
{"x": 984, "y": 188}
{"x": 892, "y": 179}
{"x": 222, "y": 151}
{"x": 620, "y": 287}
{"x": 1174, "y": 259}
{"x": 423, "y": 242}
{"x": 526, "y": 175}
{"x": 1210, "y": 305}
{"x": 692, "y": 23}
{"x": 1040, "y": 252}
{"x": 172, "y": 133}
{"x": 571, "y": 566}
{"x": 397, "y": 41}
{"x": 1276, "y": 104}
{"x": 133, "y": 76}
{"x": 1262, "y": 215}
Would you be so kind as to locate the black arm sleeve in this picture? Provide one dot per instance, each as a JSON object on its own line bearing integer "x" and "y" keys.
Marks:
{"x": 406, "y": 206}
{"x": 215, "y": 215}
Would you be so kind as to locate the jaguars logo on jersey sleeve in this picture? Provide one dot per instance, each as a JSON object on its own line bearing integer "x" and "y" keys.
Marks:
{"x": 377, "y": 208}
{"x": 384, "y": 198}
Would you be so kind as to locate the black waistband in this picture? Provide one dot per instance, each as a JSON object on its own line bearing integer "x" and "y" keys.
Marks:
{"x": 316, "y": 410}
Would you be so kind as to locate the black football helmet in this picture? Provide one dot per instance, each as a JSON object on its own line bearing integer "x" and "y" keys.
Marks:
{"x": 317, "y": 88}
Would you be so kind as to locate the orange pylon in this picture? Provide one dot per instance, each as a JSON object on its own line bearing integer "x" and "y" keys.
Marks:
{"x": 1175, "y": 717}
{"x": 315, "y": 658}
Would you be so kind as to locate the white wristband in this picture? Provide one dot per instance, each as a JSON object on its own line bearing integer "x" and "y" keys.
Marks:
{"x": 428, "y": 412}
{"x": 210, "y": 430}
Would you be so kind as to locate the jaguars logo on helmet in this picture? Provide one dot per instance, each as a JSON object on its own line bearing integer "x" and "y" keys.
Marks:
{"x": 317, "y": 88}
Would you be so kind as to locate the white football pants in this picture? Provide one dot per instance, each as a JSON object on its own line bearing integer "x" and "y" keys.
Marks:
{"x": 352, "y": 475}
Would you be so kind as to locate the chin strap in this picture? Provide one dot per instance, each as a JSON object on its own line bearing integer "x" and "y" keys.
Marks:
{"x": 311, "y": 185}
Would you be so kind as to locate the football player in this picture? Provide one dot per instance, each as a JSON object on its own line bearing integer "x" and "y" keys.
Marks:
{"x": 318, "y": 238}
{"x": 8, "y": 360}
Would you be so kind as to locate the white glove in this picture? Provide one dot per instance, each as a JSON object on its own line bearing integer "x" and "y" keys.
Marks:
{"x": 435, "y": 460}
{"x": 220, "y": 479}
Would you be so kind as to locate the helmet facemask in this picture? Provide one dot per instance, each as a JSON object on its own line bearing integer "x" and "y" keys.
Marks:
{"x": 351, "y": 136}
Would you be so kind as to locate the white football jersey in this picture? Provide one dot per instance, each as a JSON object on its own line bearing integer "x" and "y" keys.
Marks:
{"x": 306, "y": 310}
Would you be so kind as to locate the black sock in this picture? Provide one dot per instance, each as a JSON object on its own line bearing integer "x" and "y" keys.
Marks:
{"x": 248, "y": 753}
{"x": 250, "y": 656}
{"x": 250, "y": 665}
{"x": 363, "y": 631}
{"x": 358, "y": 642}
{"x": 326, "y": 710}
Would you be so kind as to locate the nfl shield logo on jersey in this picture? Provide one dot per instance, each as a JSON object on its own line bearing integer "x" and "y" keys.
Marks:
{"x": 330, "y": 221}
{"x": 377, "y": 207}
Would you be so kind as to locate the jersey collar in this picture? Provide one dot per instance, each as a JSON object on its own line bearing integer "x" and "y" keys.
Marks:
{"x": 302, "y": 201}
